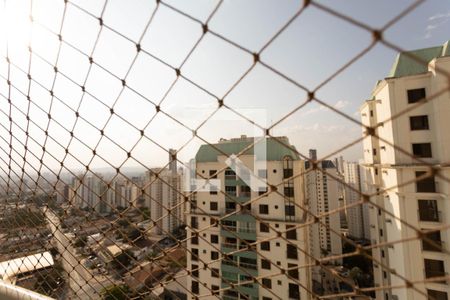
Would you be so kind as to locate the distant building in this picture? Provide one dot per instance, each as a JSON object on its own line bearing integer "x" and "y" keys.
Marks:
{"x": 406, "y": 191}
{"x": 164, "y": 196}
{"x": 322, "y": 195}
{"x": 357, "y": 222}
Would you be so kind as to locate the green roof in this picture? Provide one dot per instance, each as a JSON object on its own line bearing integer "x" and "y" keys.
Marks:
{"x": 416, "y": 61}
{"x": 275, "y": 149}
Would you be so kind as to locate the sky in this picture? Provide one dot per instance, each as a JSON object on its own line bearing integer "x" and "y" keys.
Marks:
{"x": 308, "y": 51}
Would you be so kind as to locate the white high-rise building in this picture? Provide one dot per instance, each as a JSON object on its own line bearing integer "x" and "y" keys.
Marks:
{"x": 88, "y": 192}
{"x": 163, "y": 195}
{"x": 254, "y": 223}
{"x": 405, "y": 123}
{"x": 358, "y": 224}
{"x": 322, "y": 194}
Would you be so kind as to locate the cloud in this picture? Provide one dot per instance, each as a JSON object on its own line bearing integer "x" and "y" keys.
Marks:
{"x": 341, "y": 104}
{"x": 338, "y": 105}
{"x": 439, "y": 16}
{"x": 435, "y": 22}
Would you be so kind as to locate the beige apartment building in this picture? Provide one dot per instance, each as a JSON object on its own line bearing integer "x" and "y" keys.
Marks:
{"x": 322, "y": 196}
{"x": 219, "y": 257}
{"x": 422, "y": 203}
{"x": 357, "y": 216}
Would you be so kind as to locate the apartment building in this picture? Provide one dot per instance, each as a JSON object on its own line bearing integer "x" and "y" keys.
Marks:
{"x": 357, "y": 221}
{"x": 163, "y": 195}
{"x": 406, "y": 190}
{"x": 89, "y": 193}
{"x": 231, "y": 241}
{"x": 322, "y": 196}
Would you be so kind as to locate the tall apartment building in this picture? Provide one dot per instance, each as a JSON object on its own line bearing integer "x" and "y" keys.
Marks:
{"x": 122, "y": 194}
{"x": 322, "y": 195}
{"x": 223, "y": 246}
{"x": 358, "y": 224}
{"x": 163, "y": 195}
{"x": 88, "y": 192}
{"x": 420, "y": 201}
{"x": 92, "y": 192}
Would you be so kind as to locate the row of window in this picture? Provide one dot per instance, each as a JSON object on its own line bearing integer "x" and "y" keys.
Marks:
{"x": 289, "y": 210}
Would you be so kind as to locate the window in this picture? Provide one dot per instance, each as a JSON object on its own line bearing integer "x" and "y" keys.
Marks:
{"x": 291, "y": 234}
{"x": 215, "y": 289}
{"x": 249, "y": 263}
{"x": 213, "y": 190}
{"x": 262, "y": 173}
{"x": 293, "y": 271}
{"x": 229, "y": 225}
{"x": 213, "y": 206}
{"x": 230, "y": 206}
{"x": 215, "y": 272}
{"x": 194, "y": 223}
{"x": 266, "y": 298}
{"x": 425, "y": 185}
{"x": 265, "y": 246}
{"x": 294, "y": 291}
{"x": 213, "y": 174}
{"x": 428, "y": 211}
{"x": 194, "y": 240}
{"x": 230, "y": 174}
{"x": 263, "y": 227}
{"x": 416, "y": 95}
{"x": 245, "y": 191}
{"x": 213, "y": 222}
{"x": 371, "y": 113}
{"x": 287, "y": 173}
{"x": 194, "y": 269}
{"x": 291, "y": 251}
{"x": 434, "y": 268}
{"x": 194, "y": 288}
{"x": 265, "y": 264}
{"x": 289, "y": 191}
{"x": 374, "y": 152}
{"x": 437, "y": 295}
{"x": 214, "y": 255}
{"x": 419, "y": 123}
{"x": 434, "y": 243}
{"x": 194, "y": 254}
{"x": 264, "y": 209}
{"x": 262, "y": 190}
{"x": 230, "y": 190}
{"x": 289, "y": 210}
{"x": 214, "y": 238}
{"x": 422, "y": 149}
{"x": 267, "y": 283}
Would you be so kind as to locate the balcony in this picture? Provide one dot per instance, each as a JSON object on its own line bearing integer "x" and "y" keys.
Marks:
{"x": 228, "y": 247}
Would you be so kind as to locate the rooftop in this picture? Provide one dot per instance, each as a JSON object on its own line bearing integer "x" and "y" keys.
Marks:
{"x": 416, "y": 61}
{"x": 276, "y": 149}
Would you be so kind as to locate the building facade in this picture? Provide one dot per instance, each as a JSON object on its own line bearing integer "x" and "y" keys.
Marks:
{"x": 238, "y": 240}
{"x": 357, "y": 222}
{"x": 322, "y": 196}
{"x": 163, "y": 195}
{"x": 414, "y": 136}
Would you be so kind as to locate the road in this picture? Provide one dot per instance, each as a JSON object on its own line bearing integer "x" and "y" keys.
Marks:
{"x": 81, "y": 281}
